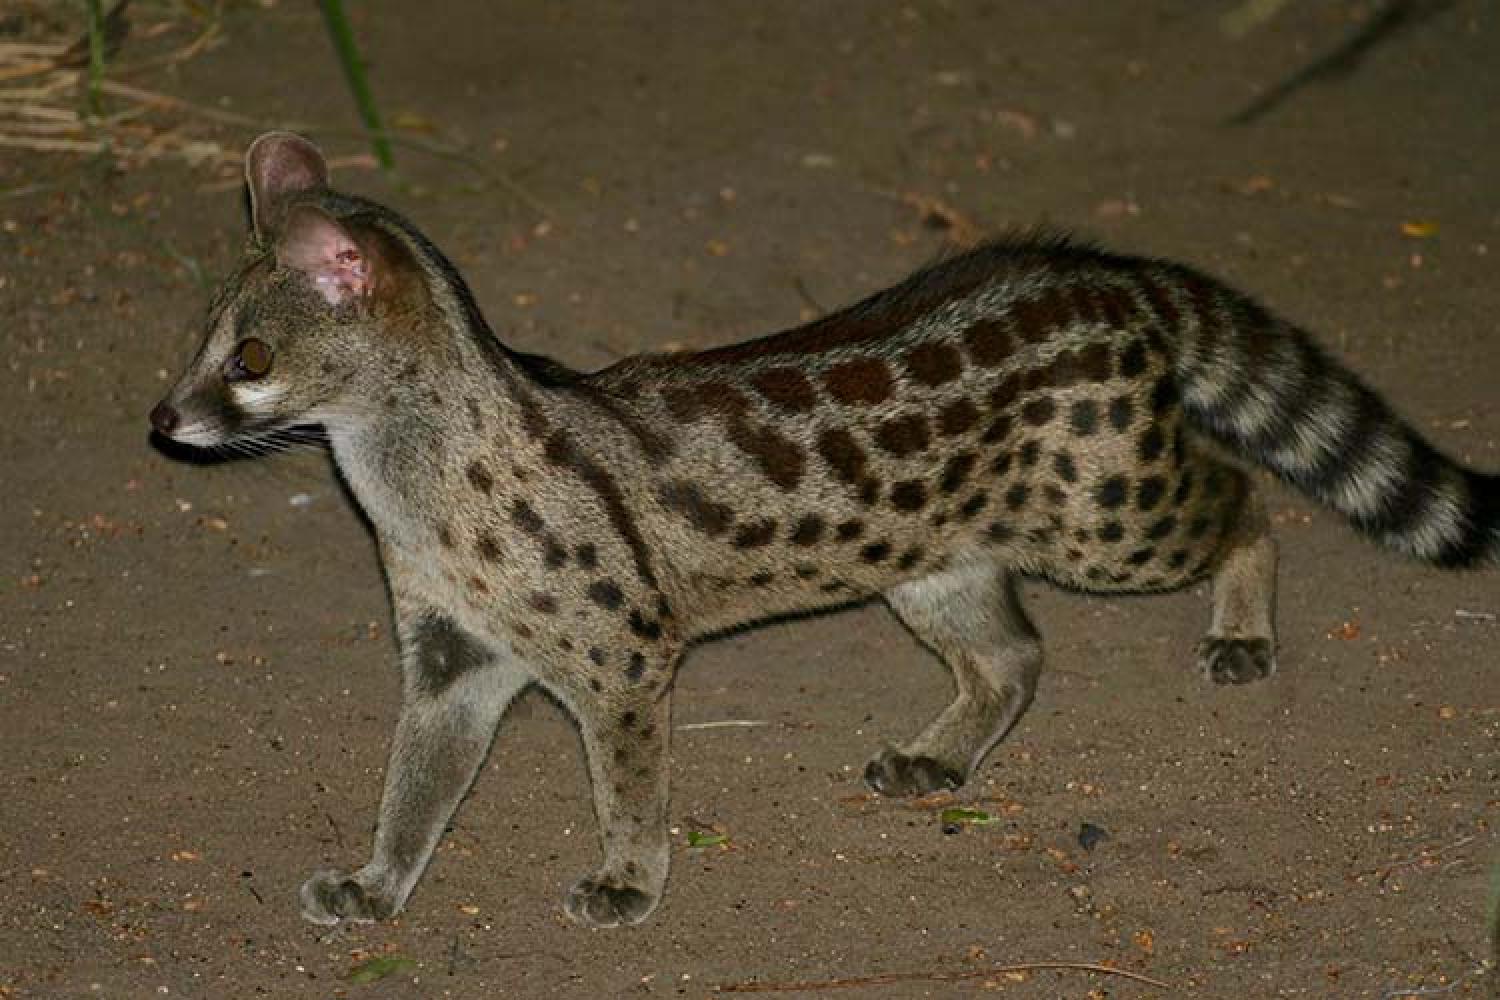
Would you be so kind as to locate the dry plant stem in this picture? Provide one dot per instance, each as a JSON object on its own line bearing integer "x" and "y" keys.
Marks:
{"x": 813, "y": 985}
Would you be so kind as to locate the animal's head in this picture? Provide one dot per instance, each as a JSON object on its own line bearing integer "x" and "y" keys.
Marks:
{"x": 294, "y": 333}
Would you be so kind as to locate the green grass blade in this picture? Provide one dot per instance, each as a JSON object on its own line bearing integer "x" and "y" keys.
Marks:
{"x": 354, "y": 72}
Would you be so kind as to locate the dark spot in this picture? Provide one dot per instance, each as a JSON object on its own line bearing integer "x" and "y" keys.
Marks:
{"x": 988, "y": 342}
{"x": 687, "y": 498}
{"x": 1184, "y": 488}
{"x": 1037, "y": 319}
{"x": 643, "y": 626}
{"x": 762, "y": 578}
{"x": 545, "y": 603}
{"x": 478, "y": 586}
{"x": 690, "y": 402}
{"x": 787, "y": 388}
{"x": 1002, "y": 462}
{"x": 999, "y": 531}
{"x": 934, "y": 363}
{"x": 806, "y": 571}
{"x": 843, "y": 454}
{"x": 1159, "y": 298}
{"x": 1152, "y": 444}
{"x": 528, "y": 520}
{"x": 1112, "y": 491}
{"x": 587, "y": 555}
{"x": 850, "y": 530}
{"x": 522, "y": 630}
{"x": 488, "y": 548}
{"x": 1030, "y": 454}
{"x": 780, "y": 459}
{"x": 973, "y": 505}
{"x": 1149, "y": 492}
{"x": 1141, "y": 556}
{"x": 808, "y": 531}
{"x": 627, "y": 720}
{"x": 998, "y": 429}
{"x": 442, "y": 652}
{"x": 751, "y": 536}
{"x": 445, "y": 536}
{"x": 1055, "y": 494}
{"x": 901, "y": 436}
{"x": 476, "y": 418}
{"x": 553, "y": 553}
{"x": 909, "y": 494}
{"x": 606, "y": 594}
{"x": 1084, "y": 417}
{"x": 479, "y": 477}
{"x": 1111, "y": 531}
{"x": 957, "y": 417}
{"x": 1006, "y": 393}
{"x": 1162, "y": 528}
{"x": 1133, "y": 359}
{"x": 596, "y": 684}
{"x": 1213, "y": 484}
{"x": 875, "y": 552}
{"x": 869, "y": 491}
{"x": 561, "y": 452}
{"x": 1198, "y": 527}
{"x": 1083, "y": 364}
{"x": 910, "y": 558}
{"x": 1064, "y": 466}
{"x": 597, "y": 655}
{"x": 1121, "y": 412}
{"x": 1179, "y": 559}
{"x": 1037, "y": 412}
{"x": 956, "y": 472}
{"x": 636, "y": 669}
{"x": 1015, "y": 497}
{"x": 1164, "y": 395}
{"x": 860, "y": 382}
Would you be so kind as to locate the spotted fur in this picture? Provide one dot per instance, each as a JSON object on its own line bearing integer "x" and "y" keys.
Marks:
{"x": 1034, "y": 407}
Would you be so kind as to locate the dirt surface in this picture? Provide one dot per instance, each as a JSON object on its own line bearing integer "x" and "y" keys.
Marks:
{"x": 197, "y": 680}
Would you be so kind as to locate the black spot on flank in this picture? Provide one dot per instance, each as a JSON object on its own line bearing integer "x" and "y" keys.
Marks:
{"x": 1002, "y": 463}
{"x": 957, "y": 417}
{"x": 1084, "y": 417}
{"x": 1213, "y": 484}
{"x": 1179, "y": 559}
{"x": 910, "y": 558}
{"x": 1150, "y": 491}
{"x": 973, "y": 505}
{"x": 806, "y": 571}
{"x": 445, "y": 536}
{"x": 850, "y": 530}
{"x": 442, "y": 652}
{"x": 553, "y": 554}
{"x": 1111, "y": 531}
{"x": 476, "y": 418}
{"x": 1121, "y": 412}
{"x": 545, "y": 603}
{"x": 1164, "y": 395}
{"x": 1015, "y": 497}
{"x": 596, "y": 684}
{"x": 1066, "y": 469}
{"x": 1133, "y": 359}
{"x": 587, "y": 555}
{"x": 1055, "y": 494}
{"x": 909, "y": 494}
{"x": 762, "y": 578}
{"x": 999, "y": 531}
{"x": 875, "y": 552}
{"x": 1030, "y": 453}
{"x": 956, "y": 472}
{"x": 1198, "y": 527}
{"x": 688, "y": 499}
{"x": 527, "y": 519}
{"x": 808, "y": 531}
{"x": 597, "y": 655}
{"x": 998, "y": 429}
{"x": 479, "y": 477}
{"x": 869, "y": 491}
{"x": 1152, "y": 444}
{"x": 627, "y": 720}
{"x": 1162, "y": 528}
{"x": 643, "y": 626}
{"x": 606, "y": 594}
{"x": 756, "y": 534}
{"x": 637, "y": 668}
{"x": 563, "y": 453}
{"x": 1037, "y": 412}
{"x": 1184, "y": 488}
{"x": 1141, "y": 556}
{"x": 488, "y": 548}
{"x": 1111, "y": 493}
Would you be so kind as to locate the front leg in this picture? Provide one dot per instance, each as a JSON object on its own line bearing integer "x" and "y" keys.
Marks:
{"x": 625, "y": 738}
{"x": 455, "y": 688}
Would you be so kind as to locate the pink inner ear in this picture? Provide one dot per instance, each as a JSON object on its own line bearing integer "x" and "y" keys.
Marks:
{"x": 324, "y": 251}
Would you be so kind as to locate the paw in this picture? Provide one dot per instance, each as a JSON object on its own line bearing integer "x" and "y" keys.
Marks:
{"x": 607, "y": 901}
{"x": 330, "y": 896}
{"x": 1236, "y": 661}
{"x": 894, "y": 774}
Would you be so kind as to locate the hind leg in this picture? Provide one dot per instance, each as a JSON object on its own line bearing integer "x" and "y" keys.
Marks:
{"x": 1241, "y": 642}
{"x": 972, "y": 618}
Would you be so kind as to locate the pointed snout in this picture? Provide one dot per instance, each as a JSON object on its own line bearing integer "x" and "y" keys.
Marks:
{"x": 165, "y": 418}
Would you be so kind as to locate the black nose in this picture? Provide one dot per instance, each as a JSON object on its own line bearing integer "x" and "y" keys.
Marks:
{"x": 165, "y": 418}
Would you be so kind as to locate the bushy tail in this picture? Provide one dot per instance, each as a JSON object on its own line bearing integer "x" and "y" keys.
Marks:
{"x": 1266, "y": 392}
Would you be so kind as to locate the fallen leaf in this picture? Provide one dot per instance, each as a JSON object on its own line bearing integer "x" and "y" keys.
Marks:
{"x": 1418, "y": 229}
{"x": 697, "y": 839}
{"x": 377, "y": 969}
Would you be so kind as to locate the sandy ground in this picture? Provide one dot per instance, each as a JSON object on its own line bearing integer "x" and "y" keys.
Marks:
{"x": 196, "y": 673}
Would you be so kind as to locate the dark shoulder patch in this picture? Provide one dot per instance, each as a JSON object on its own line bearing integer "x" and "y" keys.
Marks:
{"x": 440, "y": 652}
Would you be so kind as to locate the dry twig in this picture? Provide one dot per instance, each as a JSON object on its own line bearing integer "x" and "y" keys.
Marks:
{"x": 937, "y": 976}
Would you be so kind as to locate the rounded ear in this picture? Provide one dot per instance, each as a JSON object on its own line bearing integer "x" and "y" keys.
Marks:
{"x": 276, "y": 165}
{"x": 321, "y": 248}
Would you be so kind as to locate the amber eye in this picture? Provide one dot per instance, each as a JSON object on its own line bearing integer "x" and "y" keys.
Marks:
{"x": 251, "y": 360}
